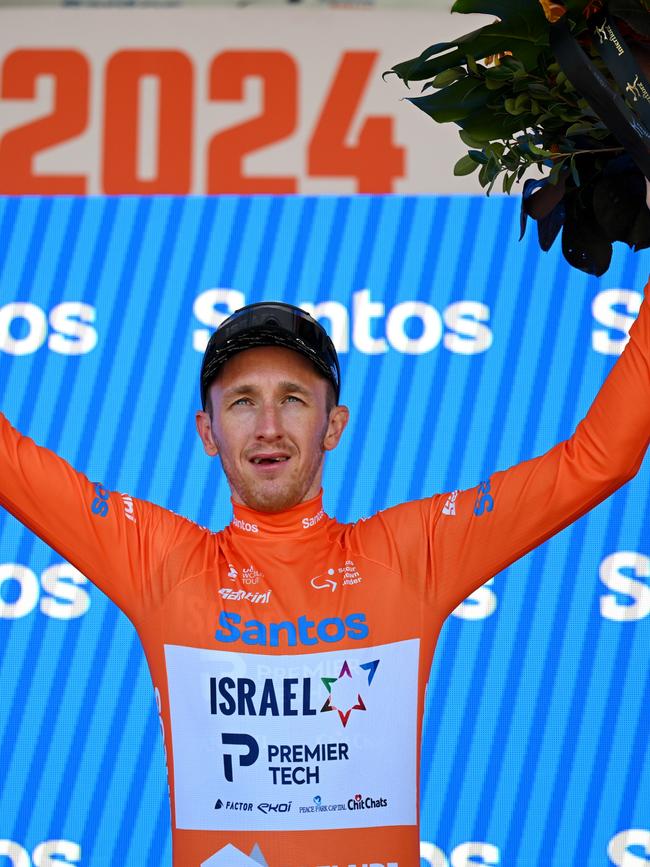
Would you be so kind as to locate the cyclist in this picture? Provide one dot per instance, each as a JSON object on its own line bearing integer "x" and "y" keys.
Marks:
{"x": 290, "y": 653}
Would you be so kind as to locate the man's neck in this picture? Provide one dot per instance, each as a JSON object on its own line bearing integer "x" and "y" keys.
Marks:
{"x": 300, "y": 519}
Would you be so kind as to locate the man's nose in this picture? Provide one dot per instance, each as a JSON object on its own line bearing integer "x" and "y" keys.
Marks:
{"x": 269, "y": 423}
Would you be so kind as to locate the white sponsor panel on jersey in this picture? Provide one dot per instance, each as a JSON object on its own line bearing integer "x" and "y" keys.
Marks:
{"x": 292, "y": 736}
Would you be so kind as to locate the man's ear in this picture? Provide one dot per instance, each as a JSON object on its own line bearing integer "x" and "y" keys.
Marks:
{"x": 204, "y": 430}
{"x": 339, "y": 417}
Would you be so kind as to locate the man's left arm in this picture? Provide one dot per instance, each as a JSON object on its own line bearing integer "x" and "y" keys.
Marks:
{"x": 478, "y": 532}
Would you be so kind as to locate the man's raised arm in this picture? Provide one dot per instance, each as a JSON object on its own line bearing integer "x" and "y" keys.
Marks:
{"x": 114, "y": 540}
{"x": 478, "y": 532}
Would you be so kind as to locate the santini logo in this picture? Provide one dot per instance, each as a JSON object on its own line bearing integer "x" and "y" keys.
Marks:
{"x": 239, "y": 595}
{"x": 303, "y": 631}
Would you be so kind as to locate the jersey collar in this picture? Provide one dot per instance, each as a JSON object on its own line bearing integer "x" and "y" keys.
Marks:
{"x": 303, "y": 519}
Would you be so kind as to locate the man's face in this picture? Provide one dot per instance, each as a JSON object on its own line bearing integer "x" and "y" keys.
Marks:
{"x": 270, "y": 426}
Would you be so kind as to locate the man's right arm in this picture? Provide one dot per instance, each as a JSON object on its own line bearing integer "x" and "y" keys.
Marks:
{"x": 113, "y": 540}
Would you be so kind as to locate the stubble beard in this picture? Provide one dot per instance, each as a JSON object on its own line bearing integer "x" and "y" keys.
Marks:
{"x": 274, "y": 495}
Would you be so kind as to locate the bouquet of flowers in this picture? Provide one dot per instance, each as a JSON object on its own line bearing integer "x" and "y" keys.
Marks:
{"x": 560, "y": 88}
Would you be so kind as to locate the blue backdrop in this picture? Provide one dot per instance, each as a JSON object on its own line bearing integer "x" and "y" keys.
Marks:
{"x": 463, "y": 351}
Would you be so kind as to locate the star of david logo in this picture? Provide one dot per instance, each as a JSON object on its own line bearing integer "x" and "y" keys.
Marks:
{"x": 329, "y": 683}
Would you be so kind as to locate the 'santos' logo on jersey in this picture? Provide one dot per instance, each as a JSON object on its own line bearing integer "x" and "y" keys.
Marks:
{"x": 484, "y": 499}
{"x": 303, "y": 631}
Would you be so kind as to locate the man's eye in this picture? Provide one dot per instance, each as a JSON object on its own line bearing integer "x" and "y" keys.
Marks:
{"x": 242, "y": 401}
{"x": 294, "y": 399}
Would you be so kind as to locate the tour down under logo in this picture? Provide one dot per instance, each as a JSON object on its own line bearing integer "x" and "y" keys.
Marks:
{"x": 341, "y": 692}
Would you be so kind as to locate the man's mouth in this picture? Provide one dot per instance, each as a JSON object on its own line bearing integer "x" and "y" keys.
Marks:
{"x": 267, "y": 460}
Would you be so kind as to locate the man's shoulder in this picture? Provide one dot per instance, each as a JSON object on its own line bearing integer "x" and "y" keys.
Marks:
{"x": 162, "y": 519}
{"x": 399, "y": 514}
{"x": 398, "y": 525}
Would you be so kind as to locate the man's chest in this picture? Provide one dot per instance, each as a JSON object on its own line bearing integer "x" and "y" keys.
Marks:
{"x": 289, "y": 685}
{"x": 290, "y": 604}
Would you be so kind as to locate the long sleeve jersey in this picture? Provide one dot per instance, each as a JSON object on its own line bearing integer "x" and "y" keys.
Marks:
{"x": 290, "y": 652}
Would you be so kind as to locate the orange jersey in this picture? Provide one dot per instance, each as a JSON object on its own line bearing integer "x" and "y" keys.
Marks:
{"x": 290, "y": 653}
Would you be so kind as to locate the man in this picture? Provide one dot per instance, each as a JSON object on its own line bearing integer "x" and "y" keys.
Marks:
{"x": 290, "y": 653}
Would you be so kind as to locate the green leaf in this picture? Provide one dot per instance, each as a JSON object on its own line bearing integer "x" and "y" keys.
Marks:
{"x": 499, "y": 72}
{"x": 508, "y": 181}
{"x": 529, "y": 11}
{"x": 511, "y": 63}
{"x": 454, "y": 102}
{"x": 485, "y": 125}
{"x": 556, "y": 172}
{"x": 469, "y": 140}
{"x": 495, "y": 150}
{"x": 538, "y": 90}
{"x": 437, "y": 57}
{"x": 520, "y": 86}
{"x": 473, "y": 67}
{"x": 510, "y": 160}
{"x": 537, "y": 151}
{"x": 600, "y": 133}
{"x": 478, "y": 157}
{"x": 579, "y": 129}
{"x": 465, "y": 166}
{"x": 495, "y": 83}
{"x": 574, "y": 172}
{"x": 448, "y": 76}
{"x": 525, "y": 36}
